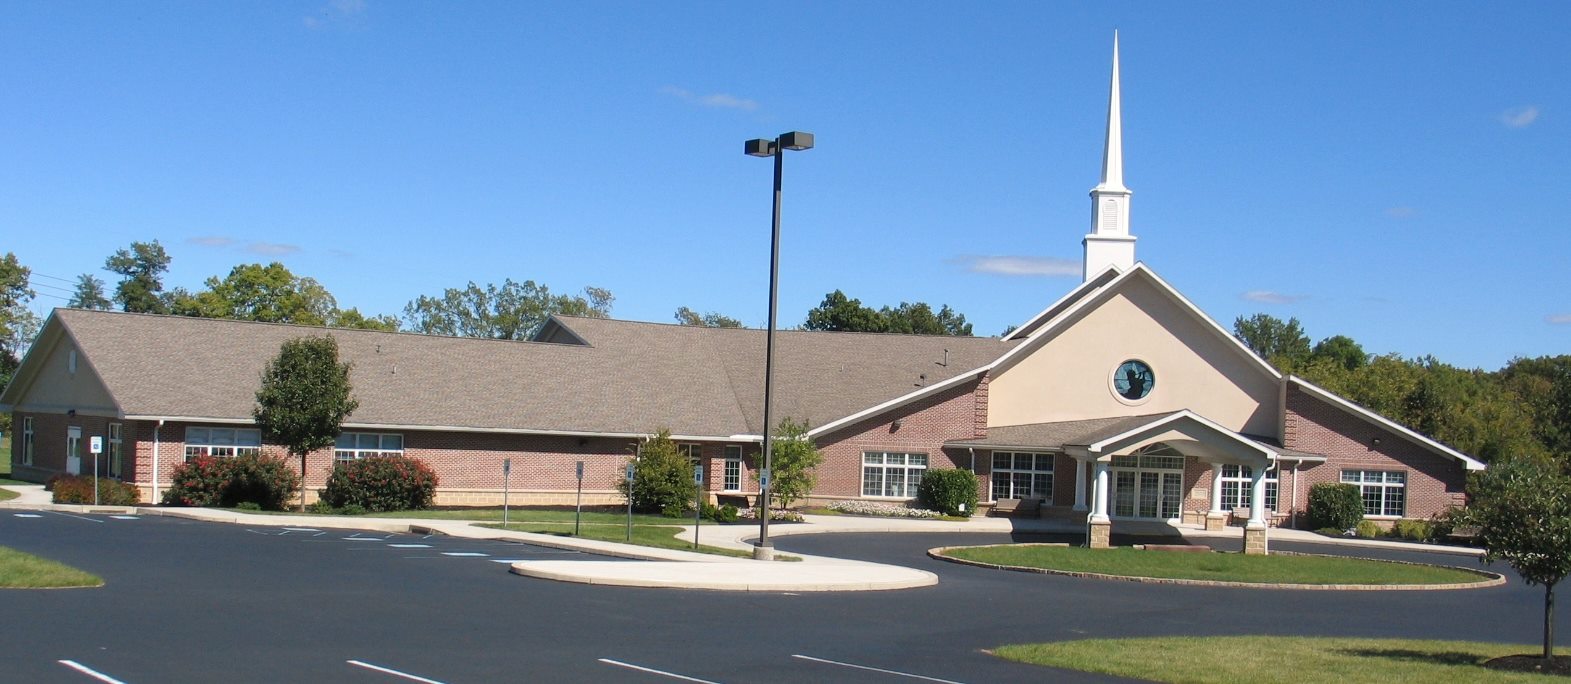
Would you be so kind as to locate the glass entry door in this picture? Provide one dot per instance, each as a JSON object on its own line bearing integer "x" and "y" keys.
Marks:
{"x": 1147, "y": 494}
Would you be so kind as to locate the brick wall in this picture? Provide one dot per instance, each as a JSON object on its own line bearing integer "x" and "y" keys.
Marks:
{"x": 1434, "y": 482}
{"x": 956, "y": 413}
{"x": 49, "y": 445}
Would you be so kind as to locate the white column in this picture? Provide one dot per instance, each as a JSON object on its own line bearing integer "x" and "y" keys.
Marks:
{"x": 1099, "y": 493}
{"x": 1216, "y": 488}
{"x": 1080, "y": 485}
{"x": 1257, "y": 497}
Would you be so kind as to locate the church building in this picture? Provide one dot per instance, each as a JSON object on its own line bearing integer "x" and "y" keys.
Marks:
{"x": 1121, "y": 401}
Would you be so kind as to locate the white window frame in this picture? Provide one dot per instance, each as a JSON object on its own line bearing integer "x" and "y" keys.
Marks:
{"x": 1004, "y": 477}
{"x": 27, "y": 440}
{"x": 116, "y": 449}
{"x": 367, "y": 445}
{"x": 1380, "y": 484}
{"x": 880, "y": 465}
{"x": 206, "y": 441}
{"x": 732, "y": 478}
{"x": 1237, "y": 483}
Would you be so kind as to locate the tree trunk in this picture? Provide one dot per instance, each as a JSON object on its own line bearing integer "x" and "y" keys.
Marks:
{"x": 302, "y": 482}
{"x": 1549, "y": 621}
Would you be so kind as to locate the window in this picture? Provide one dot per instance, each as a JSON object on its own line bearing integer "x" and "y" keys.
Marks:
{"x": 733, "y": 468}
{"x": 115, "y": 450}
{"x": 357, "y": 445}
{"x": 1133, "y": 381}
{"x": 892, "y": 474}
{"x": 1384, "y": 492}
{"x": 202, "y": 441}
{"x": 693, "y": 452}
{"x": 27, "y": 441}
{"x": 1237, "y": 487}
{"x": 1022, "y": 476}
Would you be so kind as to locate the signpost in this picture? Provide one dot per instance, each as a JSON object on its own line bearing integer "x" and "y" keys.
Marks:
{"x": 698, "y": 504}
{"x": 578, "y": 506}
{"x": 95, "y": 445}
{"x": 507, "y": 475}
{"x": 630, "y": 502}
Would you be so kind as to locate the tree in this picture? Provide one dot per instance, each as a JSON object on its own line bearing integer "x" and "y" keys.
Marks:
{"x": 839, "y": 312}
{"x": 686, "y": 316}
{"x": 304, "y": 398}
{"x": 514, "y": 311}
{"x": 89, "y": 294}
{"x": 18, "y": 324}
{"x": 1283, "y": 344}
{"x": 1522, "y": 508}
{"x": 919, "y": 319}
{"x": 794, "y": 457}
{"x": 141, "y": 269}
{"x": 662, "y": 478}
{"x": 253, "y": 292}
{"x": 352, "y": 318}
{"x": 1341, "y": 349}
{"x": 1543, "y": 387}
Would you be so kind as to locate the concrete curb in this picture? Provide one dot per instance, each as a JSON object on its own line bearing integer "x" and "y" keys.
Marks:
{"x": 1490, "y": 579}
{"x": 794, "y": 577}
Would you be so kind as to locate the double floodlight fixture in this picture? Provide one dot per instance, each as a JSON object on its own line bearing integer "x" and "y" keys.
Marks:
{"x": 764, "y": 147}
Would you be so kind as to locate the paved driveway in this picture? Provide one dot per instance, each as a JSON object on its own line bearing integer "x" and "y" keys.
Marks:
{"x": 200, "y": 602}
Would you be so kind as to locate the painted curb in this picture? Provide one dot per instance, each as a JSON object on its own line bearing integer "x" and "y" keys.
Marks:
{"x": 921, "y": 578}
{"x": 1491, "y": 579}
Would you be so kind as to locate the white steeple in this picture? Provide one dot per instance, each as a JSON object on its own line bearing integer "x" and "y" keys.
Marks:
{"x": 1109, "y": 242}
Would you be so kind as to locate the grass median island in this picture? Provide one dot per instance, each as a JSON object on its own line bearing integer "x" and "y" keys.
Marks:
{"x": 1300, "y": 660}
{"x": 657, "y": 536}
{"x": 25, "y": 571}
{"x": 1218, "y": 567}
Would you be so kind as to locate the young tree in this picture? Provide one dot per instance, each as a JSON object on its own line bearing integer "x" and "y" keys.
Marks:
{"x": 662, "y": 478}
{"x": 795, "y": 458}
{"x": 89, "y": 294}
{"x": 305, "y": 397}
{"x": 686, "y": 316}
{"x": 141, "y": 270}
{"x": 1522, "y": 508}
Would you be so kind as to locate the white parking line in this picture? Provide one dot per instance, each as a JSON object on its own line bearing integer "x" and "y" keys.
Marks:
{"x": 106, "y": 679}
{"x": 410, "y": 546}
{"x": 78, "y": 517}
{"x": 301, "y": 529}
{"x": 125, "y": 517}
{"x": 27, "y": 515}
{"x": 651, "y": 670}
{"x": 465, "y": 554}
{"x": 877, "y": 669}
{"x": 391, "y": 671}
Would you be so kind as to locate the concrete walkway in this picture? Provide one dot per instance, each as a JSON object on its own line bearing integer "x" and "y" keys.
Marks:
{"x": 689, "y": 570}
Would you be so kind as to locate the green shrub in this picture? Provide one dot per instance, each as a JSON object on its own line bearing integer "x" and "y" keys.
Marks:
{"x": 720, "y": 514}
{"x": 1335, "y": 505}
{"x": 248, "y": 506}
{"x": 662, "y": 478}
{"x": 394, "y": 483}
{"x": 1331, "y": 531}
{"x": 319, "y": 506}
{"x": 1412, "y": 530}
{"x": 212, "y": 481}
{"x": 351, "y": 509}
{"x": 1367, "y": 529}
{"x": 951, "y": 491}
{"x": 78, "y": 489}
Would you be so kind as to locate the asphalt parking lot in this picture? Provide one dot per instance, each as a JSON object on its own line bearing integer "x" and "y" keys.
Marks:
{"x": 187, "y": 601}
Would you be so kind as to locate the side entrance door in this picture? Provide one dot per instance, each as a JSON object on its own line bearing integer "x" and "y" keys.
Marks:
{"x": 73, "y": 450}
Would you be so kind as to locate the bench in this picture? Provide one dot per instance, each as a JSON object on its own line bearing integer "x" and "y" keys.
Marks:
{"x": 1017, "y": 508}
{"x": 1466, "y": 534}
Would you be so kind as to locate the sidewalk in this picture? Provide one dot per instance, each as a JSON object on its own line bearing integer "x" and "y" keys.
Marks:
{"x": 672, "y": 568}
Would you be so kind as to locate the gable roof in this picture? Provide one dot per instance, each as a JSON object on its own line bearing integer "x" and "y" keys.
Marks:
{"x": 627, "y": 378}
{"x": 1056, "y": 435}
{"x": 1327, "y": 396}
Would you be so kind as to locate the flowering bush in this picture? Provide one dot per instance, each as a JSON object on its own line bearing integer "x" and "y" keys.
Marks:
{"x": 78, "y": 489}
{"x": 884, "y": 510}
{"x": 212, "y": 481}
{"x": 393, "y": 483}
{"x": 776, "y": 514}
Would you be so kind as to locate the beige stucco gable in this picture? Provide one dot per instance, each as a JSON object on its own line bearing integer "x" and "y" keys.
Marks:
{"x": 63, "y": 381}
{"x": 1067, "y": 373}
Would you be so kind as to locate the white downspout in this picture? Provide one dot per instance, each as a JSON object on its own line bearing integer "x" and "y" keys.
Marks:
{"x": 155, "y": 460}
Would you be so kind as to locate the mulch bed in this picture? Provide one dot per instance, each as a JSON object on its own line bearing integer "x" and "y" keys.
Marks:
{"x": 1559, "y": 665}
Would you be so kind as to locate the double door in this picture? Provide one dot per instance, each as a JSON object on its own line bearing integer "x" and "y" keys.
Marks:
{"x": 1147, "y": 494}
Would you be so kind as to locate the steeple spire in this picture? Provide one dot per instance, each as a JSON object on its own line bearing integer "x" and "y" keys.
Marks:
{"x": 1109, "y": 242}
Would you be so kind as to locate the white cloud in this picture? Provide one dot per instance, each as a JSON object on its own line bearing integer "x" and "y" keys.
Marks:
{"x": 1272, "y": 297}
{"x": 1558, "y": 319}
{"x": 720, "y": 100}
{"x": 1020, "y": 265}
{"x": 271, "y": 248}
{"x": 1520, "y": 117}
{"x": 210, "y": 241}
{"x": 1400, "y": 212}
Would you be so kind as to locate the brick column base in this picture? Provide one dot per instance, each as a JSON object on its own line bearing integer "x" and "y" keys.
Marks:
{"x": 1255, "y": 540}
{"x": 1216, "y": 522}
{"x": 1101, "y": 534}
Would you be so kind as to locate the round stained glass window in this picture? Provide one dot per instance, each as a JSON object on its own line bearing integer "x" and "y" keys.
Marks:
{"x": 1133, "y": 380}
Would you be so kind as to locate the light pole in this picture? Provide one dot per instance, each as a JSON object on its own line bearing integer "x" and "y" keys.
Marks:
{"x": 763, "y": 147}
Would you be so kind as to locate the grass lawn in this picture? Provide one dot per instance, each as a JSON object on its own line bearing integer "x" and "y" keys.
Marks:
{"x": 6, "y": 494}
{"x": 1223, "y": 567}
{"x": 658, "y": 536}
{"x": 534, "y": 515}
{"x": 25, "y": 571}
{"x": 1298, "y": 660}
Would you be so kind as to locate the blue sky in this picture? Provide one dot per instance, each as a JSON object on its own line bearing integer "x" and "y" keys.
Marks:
{"x": 1396, "y": 172}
